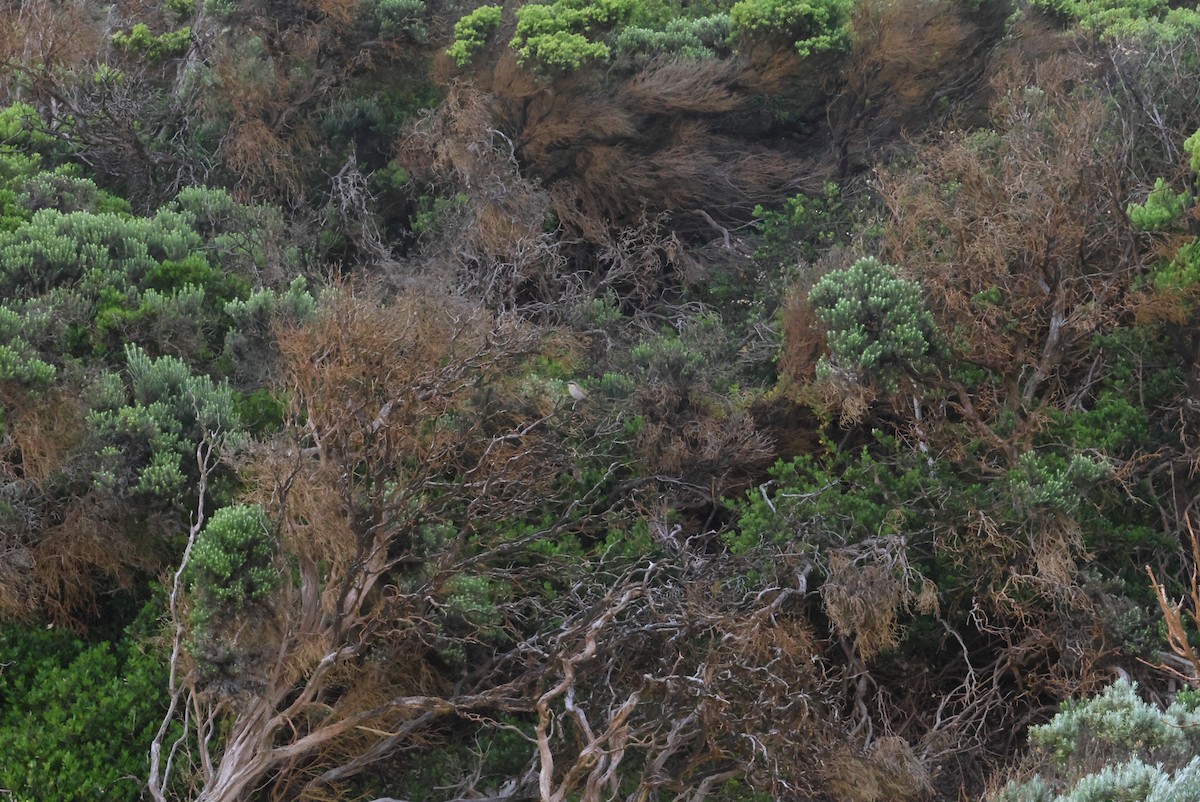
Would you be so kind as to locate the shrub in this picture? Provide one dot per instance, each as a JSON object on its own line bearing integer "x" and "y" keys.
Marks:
{"x": 695, "y": 39}
{"x": 1164, "y": 211}
{"x": 231, "y": 563}
{"x": 813, "y": 26}
{"x": 250, "y": 340}
{"x": 76, "y": 719}
{"x": 1113, "y": 19}
{"x": 1114, "y": 748}
{"x": 566, "y": 34}
{"x": 144, "y": 438}
{"x": 21, "y": 128}
{"x": 402, "y": 18}
{"x": 139, "y": 39}
{"x": 878, "y": 326}
{"x": 472, "y": 31}
{"x": 1163, "y": 207}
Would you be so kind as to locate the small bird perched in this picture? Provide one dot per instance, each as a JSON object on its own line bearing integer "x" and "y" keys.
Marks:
{"x": 576, "y": 392}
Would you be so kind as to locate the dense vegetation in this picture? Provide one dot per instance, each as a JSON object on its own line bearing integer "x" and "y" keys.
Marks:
{"x": 599, "y": 399}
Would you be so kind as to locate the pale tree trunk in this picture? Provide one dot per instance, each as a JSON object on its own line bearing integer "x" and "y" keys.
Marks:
{"x": 247, "y": 754}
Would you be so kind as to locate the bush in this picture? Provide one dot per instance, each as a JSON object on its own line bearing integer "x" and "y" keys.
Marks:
{"x": 144, "y": 438}
{"x": 402, "y": 18}
{"x": 472, "y": 31}
{"x": 813, "y": 26}
{"x": 1163, "y": 207}
{"x": 566, "y": 34}
{"x": 76, "y": 719}
{"x": 1112, "y": 19}
{"x": 231, "y": 577}
{"x": 139, "y": 39}
{"x": 695, "y": 39}
{"x": 878, "y": 325}
{"x": 231, "y": 562}
{"x": 1114, "y": 748}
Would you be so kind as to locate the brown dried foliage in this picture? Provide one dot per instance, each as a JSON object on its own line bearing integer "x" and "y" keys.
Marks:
{"x": 803, "y": 339}
{"x": 867, "y": 589}
{"x": 1182, "y": 617}
{"x": 268, "y": 101}
{"x": 711, "y": 450}
{"x": 908, "y": 61}
{"x": 60, "y": 553}
{"x": 889, "y": 769}
{"x": 641, "y": 149}
{"x": 1033, "y": 211}
{"x": 41, "y": 37}
{"x": 400, "y": 451}
{"x": 607, "y": 155}
{"x": 495, "y": 247}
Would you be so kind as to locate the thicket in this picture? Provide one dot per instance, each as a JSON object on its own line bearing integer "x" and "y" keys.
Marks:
{"x": 599, "y": 400}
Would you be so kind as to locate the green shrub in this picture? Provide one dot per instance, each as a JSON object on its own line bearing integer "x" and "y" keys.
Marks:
{"x": 231, "y": 564}
{"x": 845, "y": 498}
{"x": 402, "y": 18}
{"x": 1192, "y": 146}
{"x": 1163, "y": 207}
{"x": 1049, "y": 481}
{"x": 76, "y": 719}
{"x": 1114, "y": 748}
{"x": 1113, "y": 19}
{"x": 566, "y": 34}
{"x": 250, "y": 341}
{"x": 696, "y": 39}
{"x": 814, "y": 26}
{"x": 21, "y": 128}
{"x": 231, "y": 578}
{"x": 471, "y": 31}
{"x": 139, "y": 39}
{"x": 252, "y": 241}
{"x": 878, "y": 326}
{"x": 144, "y": 437}
{"x": 1165, "y": 210}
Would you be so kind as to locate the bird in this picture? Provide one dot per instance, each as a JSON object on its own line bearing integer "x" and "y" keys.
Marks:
{"x": 576, "y": 392}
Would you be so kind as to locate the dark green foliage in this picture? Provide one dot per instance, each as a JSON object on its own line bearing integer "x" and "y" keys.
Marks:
{"x": 402, "y": 19}
{"x": 260, "y": 411}
{"x": 1114, "y": 425}
{"x": 847, "y": 498}
{"x": 812, "y": 26}
{"x": 250, "y": 341}
{"x": 808, "y": 226}
{"x": 76, "y": 718}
